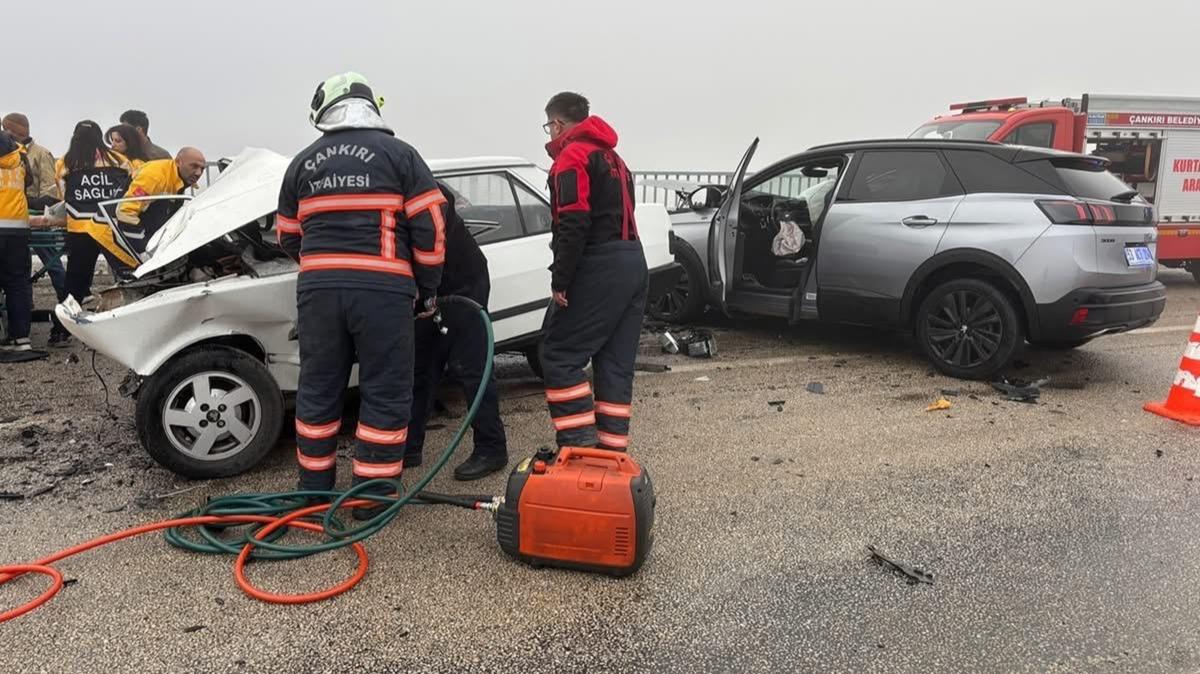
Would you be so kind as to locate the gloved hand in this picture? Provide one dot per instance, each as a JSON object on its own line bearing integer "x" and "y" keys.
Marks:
{"x": 428, "y": 308}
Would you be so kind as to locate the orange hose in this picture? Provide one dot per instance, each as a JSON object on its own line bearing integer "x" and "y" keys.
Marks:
{"x": 291, "y": 520}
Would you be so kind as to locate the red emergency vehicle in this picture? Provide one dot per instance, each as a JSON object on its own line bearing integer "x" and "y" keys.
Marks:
{"x": 1153, "y": 143}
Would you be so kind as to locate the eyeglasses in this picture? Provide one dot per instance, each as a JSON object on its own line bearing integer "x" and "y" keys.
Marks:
{"x": 547, "y": 125}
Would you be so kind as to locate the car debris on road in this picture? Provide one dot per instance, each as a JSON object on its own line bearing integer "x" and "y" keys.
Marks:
{"x": 694, "y": 342}
{"x": 1019, "y": 390}
{"x": 915, "y": 574}
{"x": 939, "y": 404}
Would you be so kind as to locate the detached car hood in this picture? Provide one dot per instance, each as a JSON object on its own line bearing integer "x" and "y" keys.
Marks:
{"x": 245, "y": 191}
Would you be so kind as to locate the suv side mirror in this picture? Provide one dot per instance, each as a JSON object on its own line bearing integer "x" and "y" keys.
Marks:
{"x": 705, "y": 198}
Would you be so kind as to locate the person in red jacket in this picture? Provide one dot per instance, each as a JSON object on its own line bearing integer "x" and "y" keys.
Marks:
{"x": 598, "y": 280}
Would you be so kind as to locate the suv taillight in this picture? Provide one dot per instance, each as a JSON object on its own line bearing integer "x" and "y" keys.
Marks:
{"x": 1074, "y": 212}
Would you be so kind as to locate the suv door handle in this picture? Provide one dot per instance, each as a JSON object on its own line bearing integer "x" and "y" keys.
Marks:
{"x": 918, "y": 221}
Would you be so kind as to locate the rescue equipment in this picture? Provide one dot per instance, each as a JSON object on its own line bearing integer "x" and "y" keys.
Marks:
{"x": 578, "y": 508}
{"x": 592, "y": 510}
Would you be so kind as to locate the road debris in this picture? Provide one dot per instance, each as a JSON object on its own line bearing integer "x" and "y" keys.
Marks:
{"x": 669, "y": 344}
{"x": 939, "y": 404}
{"x": 951, "y": 392}
{"x": 44, "y": 490}
{"x": 815, "y": 387}
{"x": 177, "y": 492}
{"x": 1019, "y": 390}
{"x": 701, "y": 379}
{"x": 193, "y": 628}
{"x": 694, "y": 342}
{"x": 915, "y": 574}
{"x": 777, "y": 404}
{"x": 1158, "y": 453}
{"x": 641, "y": 366}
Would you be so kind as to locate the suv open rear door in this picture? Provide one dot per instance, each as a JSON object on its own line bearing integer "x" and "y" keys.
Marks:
{"x": 723, "y": 236}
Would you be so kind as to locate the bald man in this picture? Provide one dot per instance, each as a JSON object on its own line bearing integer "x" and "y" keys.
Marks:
{"x": 139, "y": 220}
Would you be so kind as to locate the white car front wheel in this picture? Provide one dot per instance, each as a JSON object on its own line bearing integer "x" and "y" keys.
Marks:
{"x": 211, "y": 412}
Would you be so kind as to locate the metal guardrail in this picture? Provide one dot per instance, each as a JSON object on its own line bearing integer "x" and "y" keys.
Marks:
{"x": 786, "y": 185}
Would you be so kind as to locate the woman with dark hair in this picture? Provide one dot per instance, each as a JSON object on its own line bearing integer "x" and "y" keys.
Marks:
{"x": 126, "y": 140}
{"x": 91, "y": 173}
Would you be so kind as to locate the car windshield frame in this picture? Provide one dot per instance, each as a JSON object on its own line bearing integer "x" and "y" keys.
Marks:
{"x": 989, "y": 125}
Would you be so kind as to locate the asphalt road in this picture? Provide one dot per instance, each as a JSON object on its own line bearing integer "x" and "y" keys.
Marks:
{"x": 1063, "y": 536}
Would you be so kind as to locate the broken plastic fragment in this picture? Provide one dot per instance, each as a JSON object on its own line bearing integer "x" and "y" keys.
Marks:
{"x": 940, "y": 404}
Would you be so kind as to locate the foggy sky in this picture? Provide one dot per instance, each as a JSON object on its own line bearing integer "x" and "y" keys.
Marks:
{"x": 687, "y": 85}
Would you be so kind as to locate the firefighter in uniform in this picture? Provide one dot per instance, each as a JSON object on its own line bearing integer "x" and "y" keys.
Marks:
{"x": 461, "y": 349}
{"x": 598, "y": 280}
{"x": 361, "y": 212}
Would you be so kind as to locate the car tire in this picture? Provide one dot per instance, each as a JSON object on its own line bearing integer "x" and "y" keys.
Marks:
{"x": 969, "y": 329}
{"x": 533, "y": 356}
{"x": 1194, "y": 267}
{"x": 175, "y": 422}
{"x": 686, "y": 300}
{"x": 1059, "y": 344}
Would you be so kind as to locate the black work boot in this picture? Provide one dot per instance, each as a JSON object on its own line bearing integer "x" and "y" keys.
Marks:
{"x": 479, "y": 466}
{"x": 363, "y": 513}
{"x": 59, "y": 337}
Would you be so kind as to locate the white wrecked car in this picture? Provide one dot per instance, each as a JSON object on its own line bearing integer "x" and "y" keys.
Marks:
{"x": 208, "y": 324}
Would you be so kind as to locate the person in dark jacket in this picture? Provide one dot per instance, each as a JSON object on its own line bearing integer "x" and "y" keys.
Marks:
{"x": 361, "y": 212}
{"x": 598, "y": 280}
{"x": 462, "y": 349}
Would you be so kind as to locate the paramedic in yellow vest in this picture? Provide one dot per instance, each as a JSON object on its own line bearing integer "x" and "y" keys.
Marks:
{"x": 91, "y": 173}
{"x": 139, "y": 220}
{"x": 15, "y": 264}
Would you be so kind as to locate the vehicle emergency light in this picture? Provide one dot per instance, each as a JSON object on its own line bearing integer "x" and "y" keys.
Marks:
{"x": 997, "y": 103}
{"x": 578, "y": 508}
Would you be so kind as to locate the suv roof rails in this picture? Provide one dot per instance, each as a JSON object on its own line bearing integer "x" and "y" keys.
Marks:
{"x": 908, "y": 141}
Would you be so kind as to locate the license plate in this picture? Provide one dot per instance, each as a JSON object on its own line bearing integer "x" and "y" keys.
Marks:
{"x": 1139, "y": 256}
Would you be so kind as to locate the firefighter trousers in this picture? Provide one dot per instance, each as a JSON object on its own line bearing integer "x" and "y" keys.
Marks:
{"x": 460, "y": 351}
{"x": 335, "y": 325}
{"x": 601, "y": 323}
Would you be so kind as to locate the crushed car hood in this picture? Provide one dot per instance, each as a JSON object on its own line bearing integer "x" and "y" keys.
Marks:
{"x": 245, "y": 191}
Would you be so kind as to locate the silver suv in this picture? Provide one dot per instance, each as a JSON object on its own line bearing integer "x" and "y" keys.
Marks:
{"x": 976, "y": 247}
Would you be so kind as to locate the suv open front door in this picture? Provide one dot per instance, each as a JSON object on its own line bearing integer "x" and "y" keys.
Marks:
{"x": 723, "y": 237}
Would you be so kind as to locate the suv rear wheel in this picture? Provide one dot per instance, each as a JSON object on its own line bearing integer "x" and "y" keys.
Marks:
{"x": 211, "y": 412}
{"x": 969, "y": 328}
{"x": 686, "y": 300}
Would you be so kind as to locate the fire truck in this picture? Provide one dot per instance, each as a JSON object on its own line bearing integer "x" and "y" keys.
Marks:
{"x": 1152, "y": 142}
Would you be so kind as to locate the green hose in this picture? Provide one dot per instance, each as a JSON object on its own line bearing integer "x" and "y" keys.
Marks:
{"x": 280, "y": 503}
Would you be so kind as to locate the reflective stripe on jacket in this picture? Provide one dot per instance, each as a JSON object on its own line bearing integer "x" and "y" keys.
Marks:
{"x": 360, "y": 209}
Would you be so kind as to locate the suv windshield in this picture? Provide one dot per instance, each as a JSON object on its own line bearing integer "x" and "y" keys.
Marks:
{"x": 958, "y": 130}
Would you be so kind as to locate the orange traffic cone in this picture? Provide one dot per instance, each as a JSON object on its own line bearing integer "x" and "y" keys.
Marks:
{"x": 1183, "y": 402}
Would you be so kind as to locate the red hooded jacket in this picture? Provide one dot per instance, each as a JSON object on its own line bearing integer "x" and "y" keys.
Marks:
{"x": 591, "y": 193}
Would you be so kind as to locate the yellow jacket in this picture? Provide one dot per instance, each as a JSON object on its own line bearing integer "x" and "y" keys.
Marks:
{"x": 84, "y": 190}
{"x": 14, "y": 209}
{"x": 158, "y": 177}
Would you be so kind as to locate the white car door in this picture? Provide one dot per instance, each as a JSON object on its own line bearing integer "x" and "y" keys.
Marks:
{"x": 511, "y": 221}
